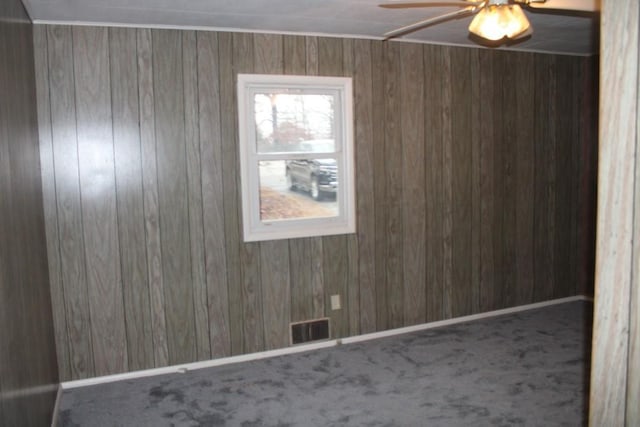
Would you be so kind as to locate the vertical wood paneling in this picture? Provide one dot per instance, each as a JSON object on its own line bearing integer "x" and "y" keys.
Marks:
{"x": 317, "y": 277}
{"x": 588, "y": 177}
{"x": 268, "y": 51}
{"x": 97, "y": 187}
{"x": 433, "y": 181}
{"x": 274, "y": 269}
{"x": 194, "y": 182}
{"x": 28, "y": 372}
{"x": 461, "y": 184}
{"x": 446, "y": 170}
{"x": 128, "y": 167}
{"x": 475, "y": 96}
{"x": 335, "y": 268}
{"x": 379, "y": 183}
{"x": 212, "y": 194}
{"x": 300, "y": 270}
{"x": 615, "y": 372}
{"x": 229, "y": 187}
{"x": 173, "y": 195}
{"x": 365, "y": 178}
{"x": 484, "y": 136}
{"x": 545, "y": 177}
{"x": 70, "y": 227}
{"x": 451, "y": 179}
{"x": 5, "y": 169}
{"x": 294, "y": 54}
{"x": 150, "y": 190}
{"x": 587, "y": 189}
{"x": 6, "y": 241}
{"x": 10, "y": 410}
{"x": 413, "y": 183}
{"x": 564, "y": 271}
{"x": 394, "y": 193}
{"x": 47, "y": 170}
{"x": 578, "y": 162}
{"x": 499, "y": 143}
{"x": 509, "y": 121}
{"x": 311, "y": 55}
{"x": 352, "y": 306}
{"x": 524, "y": 183}
{"x": 27, "y": 354}
{"x": 253, "y": 320}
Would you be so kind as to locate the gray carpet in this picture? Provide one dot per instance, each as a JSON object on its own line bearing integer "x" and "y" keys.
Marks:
{"x": 525, "y": 369}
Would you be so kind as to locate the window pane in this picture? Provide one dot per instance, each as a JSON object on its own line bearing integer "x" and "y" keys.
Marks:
{"x": 298, "y": 189}
{"x": 296, "y": 156}
{"x": 285, "y": 121}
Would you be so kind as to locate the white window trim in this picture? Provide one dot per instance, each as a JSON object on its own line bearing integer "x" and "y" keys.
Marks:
{"x": 253, "y": 227}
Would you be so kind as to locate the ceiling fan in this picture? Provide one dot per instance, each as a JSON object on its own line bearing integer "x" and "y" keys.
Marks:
{"x": 494, "y": 20}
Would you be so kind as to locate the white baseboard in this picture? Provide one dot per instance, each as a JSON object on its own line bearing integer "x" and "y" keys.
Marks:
{"x": 56, "y": 407}
{"x": 462, "y": 319}
{"x": 308, "y": 347}
{"x": 181, "y": 369}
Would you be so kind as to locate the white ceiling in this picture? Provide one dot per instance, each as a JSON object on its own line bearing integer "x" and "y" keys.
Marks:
{"x": 560, "y": 33}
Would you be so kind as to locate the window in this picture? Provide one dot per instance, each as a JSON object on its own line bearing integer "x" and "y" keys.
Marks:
{"x": 296, "y": 156}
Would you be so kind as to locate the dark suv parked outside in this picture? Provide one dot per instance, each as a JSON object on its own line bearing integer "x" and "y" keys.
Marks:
{"x": 317, "y": 176}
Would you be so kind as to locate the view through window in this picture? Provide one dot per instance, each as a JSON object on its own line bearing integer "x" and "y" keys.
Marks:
{"x": 296, "y": 155}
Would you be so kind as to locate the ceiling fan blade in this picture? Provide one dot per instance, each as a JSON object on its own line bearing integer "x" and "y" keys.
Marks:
{"x": 431, "y": 21}
{"x": 576, "y": 5}
{"x": 407, "y": 5}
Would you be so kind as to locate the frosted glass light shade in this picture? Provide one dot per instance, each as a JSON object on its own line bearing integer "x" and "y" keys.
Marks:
{"x": 495, "y": 22}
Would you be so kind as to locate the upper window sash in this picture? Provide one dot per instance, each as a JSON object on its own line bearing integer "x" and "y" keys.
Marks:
{"x": 324, "y": 139}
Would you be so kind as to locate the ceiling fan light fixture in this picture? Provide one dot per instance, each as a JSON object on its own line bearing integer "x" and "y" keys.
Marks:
{"x": 495, "y": 22}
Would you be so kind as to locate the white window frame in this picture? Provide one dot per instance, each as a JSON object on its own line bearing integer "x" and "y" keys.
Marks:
{"x": 256, "y": 229}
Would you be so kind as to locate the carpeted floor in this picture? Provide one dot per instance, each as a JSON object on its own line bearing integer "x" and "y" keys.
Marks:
{"x": 525, "y": 369}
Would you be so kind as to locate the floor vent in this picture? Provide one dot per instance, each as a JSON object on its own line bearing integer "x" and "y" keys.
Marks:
{"x": 310, "y": 330}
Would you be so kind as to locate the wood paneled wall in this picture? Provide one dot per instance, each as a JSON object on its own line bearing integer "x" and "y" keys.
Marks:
{"x": 28, "y": 367}
{"x": 615, "y": 370}
{"x": 474, "y": 191}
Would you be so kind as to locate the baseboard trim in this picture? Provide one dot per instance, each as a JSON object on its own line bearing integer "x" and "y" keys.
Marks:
{"x": 181, "y": 369}
{"x": 56, "y": 407}
{"x": 309, "y": 347}
{"x": 462, "y": 319}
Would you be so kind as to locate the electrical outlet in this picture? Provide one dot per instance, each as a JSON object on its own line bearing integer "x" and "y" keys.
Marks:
{"x": 335, "y": 302}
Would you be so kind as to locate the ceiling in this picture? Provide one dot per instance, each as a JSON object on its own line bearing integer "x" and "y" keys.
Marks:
{"x": 575, "y": 34}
